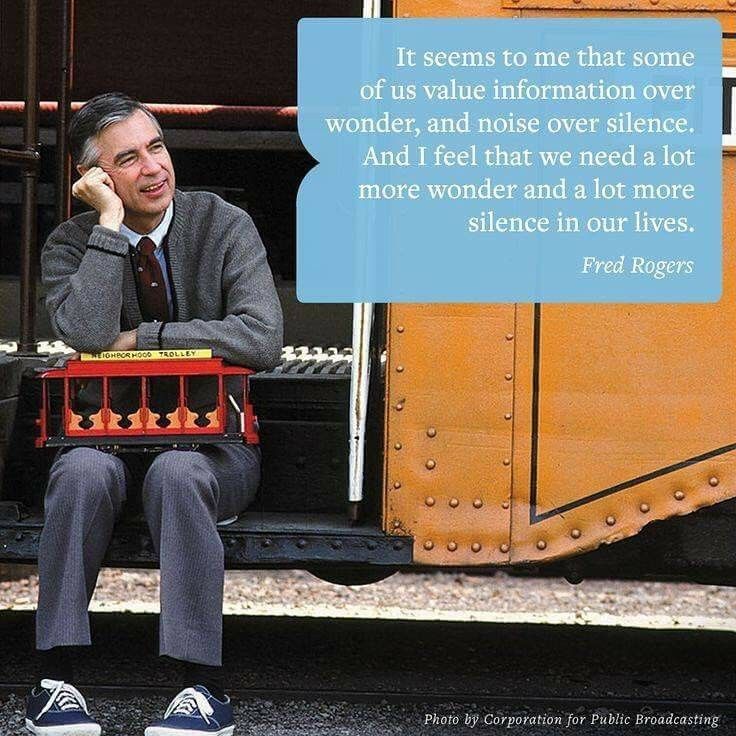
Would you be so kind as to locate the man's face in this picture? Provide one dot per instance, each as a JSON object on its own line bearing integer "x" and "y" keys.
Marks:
{"x": 133, "y": 154}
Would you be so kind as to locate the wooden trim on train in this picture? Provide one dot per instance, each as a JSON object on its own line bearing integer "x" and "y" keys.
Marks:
{"x": 511, "y": 8}
{"x": 651, "y": 6}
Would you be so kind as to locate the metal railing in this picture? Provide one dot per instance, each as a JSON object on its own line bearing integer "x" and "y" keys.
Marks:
{"x": 28, "y": 158}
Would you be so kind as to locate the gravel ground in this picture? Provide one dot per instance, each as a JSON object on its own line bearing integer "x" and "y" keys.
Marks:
{"x": 441, "y": 596}
{"x": 300, "y": 718}
{"x": 563, "y": 662}
{"x": 462, "y": 661}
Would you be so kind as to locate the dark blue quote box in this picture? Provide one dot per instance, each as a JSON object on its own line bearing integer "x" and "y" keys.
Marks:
{"x": 510, "y": 160}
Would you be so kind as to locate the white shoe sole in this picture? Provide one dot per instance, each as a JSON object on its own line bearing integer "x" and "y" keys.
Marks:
{"x": 162, "y": 731}
{"x": 87, "y": 729}
{"x": 228, "y": 521}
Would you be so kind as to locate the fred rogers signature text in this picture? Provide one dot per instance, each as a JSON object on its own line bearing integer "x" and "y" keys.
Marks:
{"x": 656, "y": 269}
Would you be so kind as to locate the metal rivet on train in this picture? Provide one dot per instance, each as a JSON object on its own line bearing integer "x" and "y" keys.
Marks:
{"x": 397, "y": 524}
{"x": 397, "y": 484}
{"x": 266, "y": 543}
{"x": 509, "y": 336}
{"x": 337, "y": 544}
{"x": 507, "y": 415}
{"x": 504, "y": 504}
{"x": 397, "y": 446}
{"x": 644, "y": 508}
{"x": 713, "y": 481}
{"x": 431, "y": 432}
{"x": 371, "y": 544}
{"x": 430, "y": 464}
{"x": 732, "y": 2}
{"x": 478, "y": 503}
{"x": 302, "y": 543}
{"x": 575, "y": 533}
{"x": 507, "y": 461}
{"x": 504, "y": 548}
{"x": 399, "y": 407}
{"x": 429, "y": 544}
{"x": 400, "y": 328}
{"x": 541, "y": 544}
{"x": 429, "y": 501}
{"x": 454, "y": 503}
{"x": 508, "y": 376}
{"x": 452, "y": 546}
{"x": 610, "y": 520}
{"x": 654, "y": 2}
{"x": 475, "y": 547}
{"x": 398, "y": 546}
{"x": 399, "y": 368}
{"x": 679, "y": 495}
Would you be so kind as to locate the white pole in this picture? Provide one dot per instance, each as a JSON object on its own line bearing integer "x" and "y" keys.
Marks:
{"x": 371, "y": 8}
{"x": 362, "y": 322}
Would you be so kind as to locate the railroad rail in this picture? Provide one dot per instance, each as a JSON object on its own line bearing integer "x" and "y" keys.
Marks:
{"x": 406, "y": 696}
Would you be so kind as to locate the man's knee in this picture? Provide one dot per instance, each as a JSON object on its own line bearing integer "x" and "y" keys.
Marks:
{"x": 84, "y": 478}
{"x": 178, "y": 476}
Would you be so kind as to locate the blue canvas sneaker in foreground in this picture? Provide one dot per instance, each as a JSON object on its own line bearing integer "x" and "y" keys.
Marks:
{"x": 195, "y": 712}
{"x": 58, "y": 709}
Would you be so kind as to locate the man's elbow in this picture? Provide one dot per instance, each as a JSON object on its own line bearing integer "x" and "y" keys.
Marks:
{"x": 263, "y": 349}
{"x": 273, "y": 356}
{"x": 269, "y": 351}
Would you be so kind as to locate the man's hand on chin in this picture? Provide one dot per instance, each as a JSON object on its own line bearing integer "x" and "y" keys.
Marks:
{"x": 127, "y": 340}
{"x": 97, "y": 189}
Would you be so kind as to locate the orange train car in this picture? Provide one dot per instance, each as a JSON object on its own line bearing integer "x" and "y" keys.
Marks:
{"x": 572, "y": 426}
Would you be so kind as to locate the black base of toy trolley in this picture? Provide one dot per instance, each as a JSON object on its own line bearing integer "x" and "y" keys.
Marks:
{"x": 141, "y": 443}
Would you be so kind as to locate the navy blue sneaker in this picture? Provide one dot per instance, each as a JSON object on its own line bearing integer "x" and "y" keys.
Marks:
{"x": 58, "y": 709}
{"x": 195, "y": 712}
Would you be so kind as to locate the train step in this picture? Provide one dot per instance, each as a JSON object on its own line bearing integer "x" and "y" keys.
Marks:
{"x": 256, "y": 539}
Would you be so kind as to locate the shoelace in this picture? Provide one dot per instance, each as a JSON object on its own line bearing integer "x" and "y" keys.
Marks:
{"x": 187, "y": 702}
{"x": 66, "y": 696}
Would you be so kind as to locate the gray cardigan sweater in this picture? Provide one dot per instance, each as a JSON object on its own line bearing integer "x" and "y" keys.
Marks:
{"x": 222, "y": 288}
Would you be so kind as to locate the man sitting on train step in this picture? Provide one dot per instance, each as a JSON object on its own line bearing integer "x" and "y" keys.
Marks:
{"x": 151, "y": 267}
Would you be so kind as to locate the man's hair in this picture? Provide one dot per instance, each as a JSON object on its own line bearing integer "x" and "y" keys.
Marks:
{"x": 96, "y": 115}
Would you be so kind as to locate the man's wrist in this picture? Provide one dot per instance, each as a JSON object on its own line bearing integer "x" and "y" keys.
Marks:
{"x": 126, "y": 340}
{"x": 111, "y": 221}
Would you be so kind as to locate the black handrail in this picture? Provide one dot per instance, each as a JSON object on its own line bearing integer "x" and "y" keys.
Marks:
{"x": 28, "y": 159}
{"x": 29, "y": 175}
{"x": 66, "y": 79}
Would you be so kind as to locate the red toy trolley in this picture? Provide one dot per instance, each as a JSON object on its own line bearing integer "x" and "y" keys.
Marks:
{"x": 145, "y": 400}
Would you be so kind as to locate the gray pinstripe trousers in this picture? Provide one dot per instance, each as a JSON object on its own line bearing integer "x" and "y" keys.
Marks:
{"x": 184, "y": 494}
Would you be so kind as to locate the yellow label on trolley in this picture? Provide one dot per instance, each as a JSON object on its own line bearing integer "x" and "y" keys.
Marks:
{"x": 147, "y": 354}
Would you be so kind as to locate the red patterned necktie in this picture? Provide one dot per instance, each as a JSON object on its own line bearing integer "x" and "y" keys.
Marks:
{"x": 151, "y": 285}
